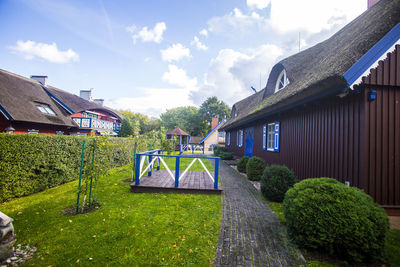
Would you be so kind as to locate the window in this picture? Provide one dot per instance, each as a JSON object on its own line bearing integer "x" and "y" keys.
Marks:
{"x": 239, "y": 138}
{"x": 271, "y": 137}
{"x": 228, "y": 139}
{"x": 221, "y": 134}
{"x": 282, "y": 81}
{"x": 33, "y": 131}
{"x": 45, "y": 109}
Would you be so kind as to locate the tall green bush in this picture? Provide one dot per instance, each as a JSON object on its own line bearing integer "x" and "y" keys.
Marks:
{"x": 324, "y": 214}
{"x": 32, "y": 163}
{"x": 275, "y": 181}
{"x": 241, "y": 164}
{"x": 254, "y": 168}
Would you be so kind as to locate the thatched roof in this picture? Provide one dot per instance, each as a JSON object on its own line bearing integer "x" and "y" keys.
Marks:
{"x": 19, "y": 97}
{"x": 78, "y": 104}
{"x": 195, "y": 140}
{"x": 320, "y": 68}
{"x": 178, "y": 131}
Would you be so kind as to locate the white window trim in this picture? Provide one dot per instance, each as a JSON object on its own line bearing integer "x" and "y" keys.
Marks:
{"x": 228, "y": 138}
{"x": 278, "y": 81}
{"x": 239, "y": 138}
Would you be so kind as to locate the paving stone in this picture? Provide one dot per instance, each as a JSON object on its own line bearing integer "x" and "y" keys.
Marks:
{"x": 250, "y": 233}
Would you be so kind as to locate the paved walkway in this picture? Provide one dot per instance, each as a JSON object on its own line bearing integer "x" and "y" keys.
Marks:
{"x": 251, "y": 234}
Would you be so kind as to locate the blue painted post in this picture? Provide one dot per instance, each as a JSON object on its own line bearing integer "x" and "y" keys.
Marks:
{"x": 203, "y": 148}
{"x": 151, "y": 167}
{"x": 216, "y": 167}
{"x": 177, "y": 172}
{"x": 158, "y": 160}
{"x": 137, "y": 169}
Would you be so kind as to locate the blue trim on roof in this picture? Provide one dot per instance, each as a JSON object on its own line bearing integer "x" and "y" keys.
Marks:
{"x": 5, "y": 112}
{"x": 369, "y": 58}
{"x": 58, "y": 101}
{"x": 201, "y": 141}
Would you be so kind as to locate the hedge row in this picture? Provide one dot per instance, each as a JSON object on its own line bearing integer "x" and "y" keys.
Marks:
{"x": 32, "y": 163}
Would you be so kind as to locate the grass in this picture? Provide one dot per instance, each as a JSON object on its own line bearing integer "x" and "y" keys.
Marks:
{"x": 184, "y": 163}
{"x": 128, "y": 230}
{"x": 392, "y": 249}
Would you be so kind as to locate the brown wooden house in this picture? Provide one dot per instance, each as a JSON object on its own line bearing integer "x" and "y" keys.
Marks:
{"x": 333, "y": 110}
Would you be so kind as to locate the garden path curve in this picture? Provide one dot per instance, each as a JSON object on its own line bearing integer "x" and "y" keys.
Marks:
{"x": 250, "y": 234}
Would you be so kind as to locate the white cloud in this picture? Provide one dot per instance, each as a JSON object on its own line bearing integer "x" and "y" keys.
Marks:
{"x": 49, "y": 52}
{"x": 154, "y": 102}
{"x": 204, "y": 32}
{"x": 313, "y": 16}
{"x": 232, "y": 73}
{"x": 175, "y": 52}
{"x": 235, "y": 21}
{"x": 260, "y": 4}
{"x": 177, "y": 76}
{"x": 153, "y": 35}
{"x": 200, "y": 46}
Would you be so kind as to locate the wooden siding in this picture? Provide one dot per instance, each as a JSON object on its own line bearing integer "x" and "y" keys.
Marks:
{"x": 349, "y": 139}
{"x": 383, "y": 131}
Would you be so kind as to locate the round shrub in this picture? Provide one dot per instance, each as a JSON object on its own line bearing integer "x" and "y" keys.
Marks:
{"x": 275, "y": 181}
{"x": 324, "y": 214}
{"x": 241, "y": 164}
{"x": 226, "y": 155}
{"x": 254, "y": 168}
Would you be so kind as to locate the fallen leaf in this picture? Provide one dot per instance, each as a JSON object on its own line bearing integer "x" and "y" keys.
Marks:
{"x": 77, "y": 261}
{"x": 190, "y": 250}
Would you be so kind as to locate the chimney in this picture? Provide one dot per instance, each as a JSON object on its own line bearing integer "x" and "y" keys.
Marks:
{"x": 214, "y": 123}
{"x": 371, "y": 3}
{"x": 86, "y": 94}
{"x": 99, "y": 101}
{"x": 41, "y": 79}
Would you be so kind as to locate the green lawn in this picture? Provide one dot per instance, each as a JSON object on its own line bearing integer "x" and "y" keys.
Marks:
{"x": 128, "y": 230}
{"x": 184, "y": 163}
{"x": 392, "y": 250}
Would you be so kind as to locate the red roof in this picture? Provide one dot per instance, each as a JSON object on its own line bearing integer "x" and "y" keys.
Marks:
{"x": 178, "y": 131}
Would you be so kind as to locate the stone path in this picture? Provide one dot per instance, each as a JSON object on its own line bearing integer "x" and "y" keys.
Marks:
{"x": 251, "y": 234}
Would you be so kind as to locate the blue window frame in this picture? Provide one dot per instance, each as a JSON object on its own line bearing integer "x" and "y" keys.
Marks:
{"x": 228, "y": 139}
{"x": 271, "y": 136}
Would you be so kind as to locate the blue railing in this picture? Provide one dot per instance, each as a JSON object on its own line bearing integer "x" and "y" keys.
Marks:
{"x": 156, "y": 156}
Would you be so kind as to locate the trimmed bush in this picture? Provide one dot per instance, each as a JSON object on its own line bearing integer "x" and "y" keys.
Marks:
{"x": 324, "y": 214}
{"x": 32, "y": 163}
{"x": 241, "y": 164}
{"x": 254, "y": 168}
{"x": 275, "y": 181}
{"x": 226, "y": 155}
{"x": 218, "y": 150}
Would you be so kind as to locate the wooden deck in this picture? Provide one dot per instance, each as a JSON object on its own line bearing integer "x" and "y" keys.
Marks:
{"x": 161, "y": 182}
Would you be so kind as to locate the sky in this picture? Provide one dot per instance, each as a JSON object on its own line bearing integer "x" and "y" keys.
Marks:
{"x": 153, "y": 55}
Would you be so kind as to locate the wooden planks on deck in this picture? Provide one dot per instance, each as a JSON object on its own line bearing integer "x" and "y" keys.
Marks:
{"x": 161, "y": 181}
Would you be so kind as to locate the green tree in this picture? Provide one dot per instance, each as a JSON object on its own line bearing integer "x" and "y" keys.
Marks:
{"x": 185, "y": 118}
{"x": 126, "y": 128}
{"x": 140, "y": 122}
{"x": 212, "y": 107}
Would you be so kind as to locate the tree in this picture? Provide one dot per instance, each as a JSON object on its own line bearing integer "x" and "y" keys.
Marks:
{"x": 140, "y": 122}
{"x": 126, "y": 128}
{"x": 185, "y": 118}
{"x": 212, "y": 107}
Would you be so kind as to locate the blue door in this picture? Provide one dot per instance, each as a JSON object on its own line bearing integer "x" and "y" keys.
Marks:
{"x": 248, "y": 143}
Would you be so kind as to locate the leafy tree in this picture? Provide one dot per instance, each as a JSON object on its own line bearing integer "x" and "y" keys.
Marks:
{"x": 185, "y": 118}
{"x": 212, "y": 107}
{"x": 126, "y": 128}
{"x": 141, "y": 123}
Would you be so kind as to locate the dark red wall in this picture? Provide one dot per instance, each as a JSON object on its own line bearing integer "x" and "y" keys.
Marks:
{"x": 233, "y": 145}
{"x": 350, "y": 139}
{"x": 382, "y": 152}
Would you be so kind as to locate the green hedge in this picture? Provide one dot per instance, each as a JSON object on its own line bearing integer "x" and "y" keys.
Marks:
{"x": 32, "y": 163}
{"x": 254, "y": 168}
{"x": 324, "y": 214}
{"x": 241, "y": 164}
{"x": 275, "y": 181}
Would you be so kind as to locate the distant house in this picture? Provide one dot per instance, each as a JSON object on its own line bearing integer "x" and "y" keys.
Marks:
{"x": 183, "y": 136}
{"x": 214, "y": 137}
{"x": 333, "y": 110}
{"x": 32, "y": 106}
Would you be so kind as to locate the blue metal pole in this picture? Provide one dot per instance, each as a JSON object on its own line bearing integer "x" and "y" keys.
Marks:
{"x": 137, "y": 169}
{"x": 177, "y": 172}
{"x": 216, "y": 167}
{"x": 158, "y": 160}
{"x": 151, "y": 167}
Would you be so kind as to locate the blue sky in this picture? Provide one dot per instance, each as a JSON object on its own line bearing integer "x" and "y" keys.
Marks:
{"x": 150, "y": 56}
